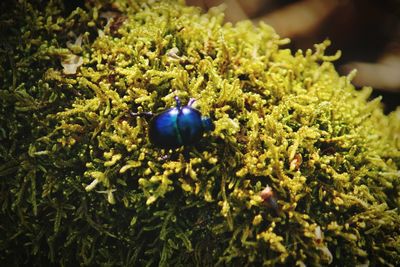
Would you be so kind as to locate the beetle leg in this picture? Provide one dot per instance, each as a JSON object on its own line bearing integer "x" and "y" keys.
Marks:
{"x": 178, "y": 102}
{"x": 191, "y": 101}
{"x": 186, "y": 154}
{"x": 164, "y": 157}
{"x": 140, "y": 114}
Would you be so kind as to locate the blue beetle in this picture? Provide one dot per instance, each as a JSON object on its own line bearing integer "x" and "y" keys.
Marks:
{"x": 178, "y": 126}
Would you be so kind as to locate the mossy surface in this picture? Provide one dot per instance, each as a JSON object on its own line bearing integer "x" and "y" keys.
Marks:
{"x": 81, "y": 183}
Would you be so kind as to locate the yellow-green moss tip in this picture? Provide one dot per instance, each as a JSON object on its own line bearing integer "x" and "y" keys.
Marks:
{"x": 82, "y": 185}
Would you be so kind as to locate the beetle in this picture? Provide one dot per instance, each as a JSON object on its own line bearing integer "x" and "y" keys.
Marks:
{"x": 178, "y": 126}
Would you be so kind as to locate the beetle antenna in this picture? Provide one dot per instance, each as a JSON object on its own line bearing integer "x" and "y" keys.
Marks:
{"x": 178, "y": 102}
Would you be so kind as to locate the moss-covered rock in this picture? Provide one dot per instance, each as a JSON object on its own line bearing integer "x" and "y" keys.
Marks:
{"x": 81, "y": 183}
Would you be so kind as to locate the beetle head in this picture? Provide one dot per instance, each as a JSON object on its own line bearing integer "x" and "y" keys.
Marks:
{"x": 207, "y": 123}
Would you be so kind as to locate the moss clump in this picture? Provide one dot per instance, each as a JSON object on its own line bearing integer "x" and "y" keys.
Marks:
{"x": 81, "y": 184}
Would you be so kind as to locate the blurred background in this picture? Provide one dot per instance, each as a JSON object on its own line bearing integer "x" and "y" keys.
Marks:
{"x": 366, "y": 31}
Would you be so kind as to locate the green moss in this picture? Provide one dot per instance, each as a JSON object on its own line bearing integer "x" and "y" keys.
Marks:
{"x": 80, "y": 182}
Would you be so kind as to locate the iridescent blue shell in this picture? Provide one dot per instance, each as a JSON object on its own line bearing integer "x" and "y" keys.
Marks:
{"x": 178, "y": 126}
